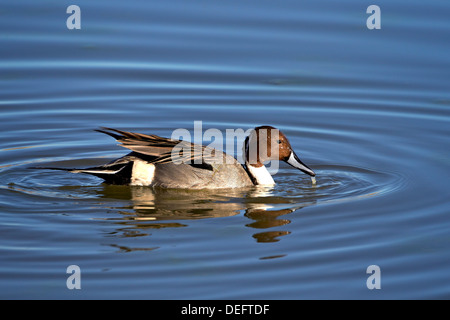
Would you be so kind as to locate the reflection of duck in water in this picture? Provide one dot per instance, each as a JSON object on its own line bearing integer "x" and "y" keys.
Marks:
{"x": 266, "y": 216}
{"x": 168, "y": 208}
{"x": 181, "y": 204}
{"x": 161, "y": 162}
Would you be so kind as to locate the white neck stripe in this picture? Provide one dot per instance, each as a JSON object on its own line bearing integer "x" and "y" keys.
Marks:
{"x": 261, "y": 175}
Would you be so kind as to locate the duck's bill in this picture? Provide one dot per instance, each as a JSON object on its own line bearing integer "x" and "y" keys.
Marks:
{"x": 297, "y": 163}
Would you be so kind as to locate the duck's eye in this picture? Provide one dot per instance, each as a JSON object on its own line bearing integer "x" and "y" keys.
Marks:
{"x": 279, "y": 141}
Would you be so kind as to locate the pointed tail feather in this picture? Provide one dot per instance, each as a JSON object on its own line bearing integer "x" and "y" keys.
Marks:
{"x": 113, "y": 174}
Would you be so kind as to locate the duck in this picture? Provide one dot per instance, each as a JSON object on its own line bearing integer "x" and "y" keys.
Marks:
{"x": 156, "y": 161}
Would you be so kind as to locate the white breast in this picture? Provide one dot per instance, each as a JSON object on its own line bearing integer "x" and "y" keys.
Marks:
{"x": 261, "y": 175}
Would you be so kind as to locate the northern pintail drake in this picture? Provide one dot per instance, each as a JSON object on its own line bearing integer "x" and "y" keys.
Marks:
{"x": 166, "y": 163}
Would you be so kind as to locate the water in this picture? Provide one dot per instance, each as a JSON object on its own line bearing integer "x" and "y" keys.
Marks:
{"x": 368, "y": 110}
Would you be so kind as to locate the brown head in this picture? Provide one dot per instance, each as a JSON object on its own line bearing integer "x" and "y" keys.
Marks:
{"x": 268, "y": 143}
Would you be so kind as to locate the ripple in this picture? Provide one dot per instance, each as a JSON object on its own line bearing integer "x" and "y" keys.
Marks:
{"x": 337, "y": 183}
{"x": 293, "y": 190}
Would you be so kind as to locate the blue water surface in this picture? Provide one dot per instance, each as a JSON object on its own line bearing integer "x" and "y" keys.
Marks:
{"x": 368, "y": 110}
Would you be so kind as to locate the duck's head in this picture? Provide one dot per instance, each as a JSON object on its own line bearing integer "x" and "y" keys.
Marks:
{"x": 268, "y": 143}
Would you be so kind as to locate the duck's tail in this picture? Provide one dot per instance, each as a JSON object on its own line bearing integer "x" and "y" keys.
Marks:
{"x": 114, "y": 173}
